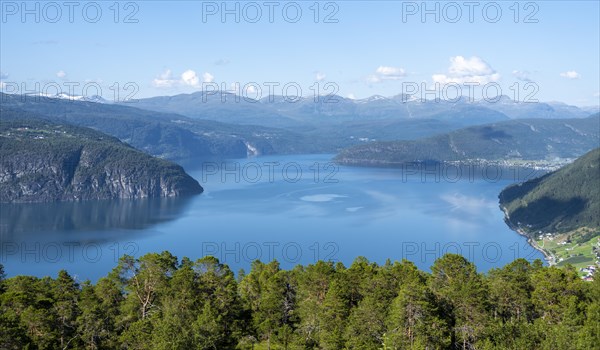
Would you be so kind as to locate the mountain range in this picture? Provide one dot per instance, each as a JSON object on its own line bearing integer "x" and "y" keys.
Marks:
{"x": 164, "y": 135}
{"x": 279, "y": 111}
{"x": 201, "y": 125}
{"x": 520, "y": 139}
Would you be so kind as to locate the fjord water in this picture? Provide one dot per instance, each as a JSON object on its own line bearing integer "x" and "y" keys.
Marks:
{"x": 296, "y": 209}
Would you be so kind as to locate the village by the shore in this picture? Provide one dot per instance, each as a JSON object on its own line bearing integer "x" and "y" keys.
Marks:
{"x": 586, "y": 272}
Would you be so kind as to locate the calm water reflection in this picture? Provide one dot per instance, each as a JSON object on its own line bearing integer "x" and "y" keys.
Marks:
{"x": 19, "y": 220}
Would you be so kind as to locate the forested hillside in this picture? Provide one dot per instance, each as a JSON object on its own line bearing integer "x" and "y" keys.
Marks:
{"x": 558, "y": 202}
{"x": 533, "y": 139}
{"x": 43, "y": 161}
{"x": 165, "y": 135}
{"x": 160, "y": 302}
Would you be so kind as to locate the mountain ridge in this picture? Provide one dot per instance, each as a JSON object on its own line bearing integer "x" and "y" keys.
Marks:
{"x": 47, "y": 161}
{"x": 560, "y": 201}
{"x": 523, "y": 139}
{"x": 166, "y": 135}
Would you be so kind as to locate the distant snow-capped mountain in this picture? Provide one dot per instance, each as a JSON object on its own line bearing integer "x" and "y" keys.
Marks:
{"x": 310, "y": 112}
{"x": 65, "y": 96}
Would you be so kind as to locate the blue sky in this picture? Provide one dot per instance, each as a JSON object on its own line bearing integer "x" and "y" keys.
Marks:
{"x": 374, "y": 48}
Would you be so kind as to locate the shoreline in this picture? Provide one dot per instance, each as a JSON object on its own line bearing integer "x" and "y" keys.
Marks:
{"x": 549, "y": 257}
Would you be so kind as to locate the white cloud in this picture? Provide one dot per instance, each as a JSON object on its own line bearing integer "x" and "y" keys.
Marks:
{"x": 190, "y": 78}
{"x": 383, "y": 73}
{"x": 320, "y": 76}
{"x": 351, "y": 96}
{"x": 570, "y": 75}
{"x": 164, "y": 80}
{"x": 248, "y": 90}
{"x": 207, "y": 77}
{"x": 463, "y": 70}
{"x": 393, "y": 73}
{"x": 187, "y": 78}
{"x": 386, "y": 73}
{"x": 521, "y": 75}
{"x": 61, "y": 74}
{"x": 460, "y": 66}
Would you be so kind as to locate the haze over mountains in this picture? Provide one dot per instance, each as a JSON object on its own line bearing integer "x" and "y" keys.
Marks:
{"x": 202, "y": 125}
{"x": 160, "y": 134}
{"x": 290, "y": 112}
{"x": 524, "y": 139}
{"x": 335, "y": 123}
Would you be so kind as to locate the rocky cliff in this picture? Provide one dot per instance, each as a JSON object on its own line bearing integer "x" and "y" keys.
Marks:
{"x": 44, "y": 161}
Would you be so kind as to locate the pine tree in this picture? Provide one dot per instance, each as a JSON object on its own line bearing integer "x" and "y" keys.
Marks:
{"x": 313, "y": 284}
{"x": 413, "y": 321}
{"x": 32, "y": 299}
{"x": 92, "y": 327}
{"x": 462, "y": 296}
{"x": 379, "y": 286}
{"x": 336, "y": 309}
{"x": 555, "y": 292}
{"x": 146, "y": 281}
{"x": 109, "y": 291}
{"x": 589, "y": 335}
{"x": 510, "y": 292}
{"x": 179, "y": 307}
{"x": 217, "y": 324}
{"x": 66, "y": 293}
{"x": 12, "y": 334}
{"x": 273, "y": 309}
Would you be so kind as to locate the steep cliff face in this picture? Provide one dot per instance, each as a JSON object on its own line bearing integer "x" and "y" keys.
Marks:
{"x": 43, "y": 161}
